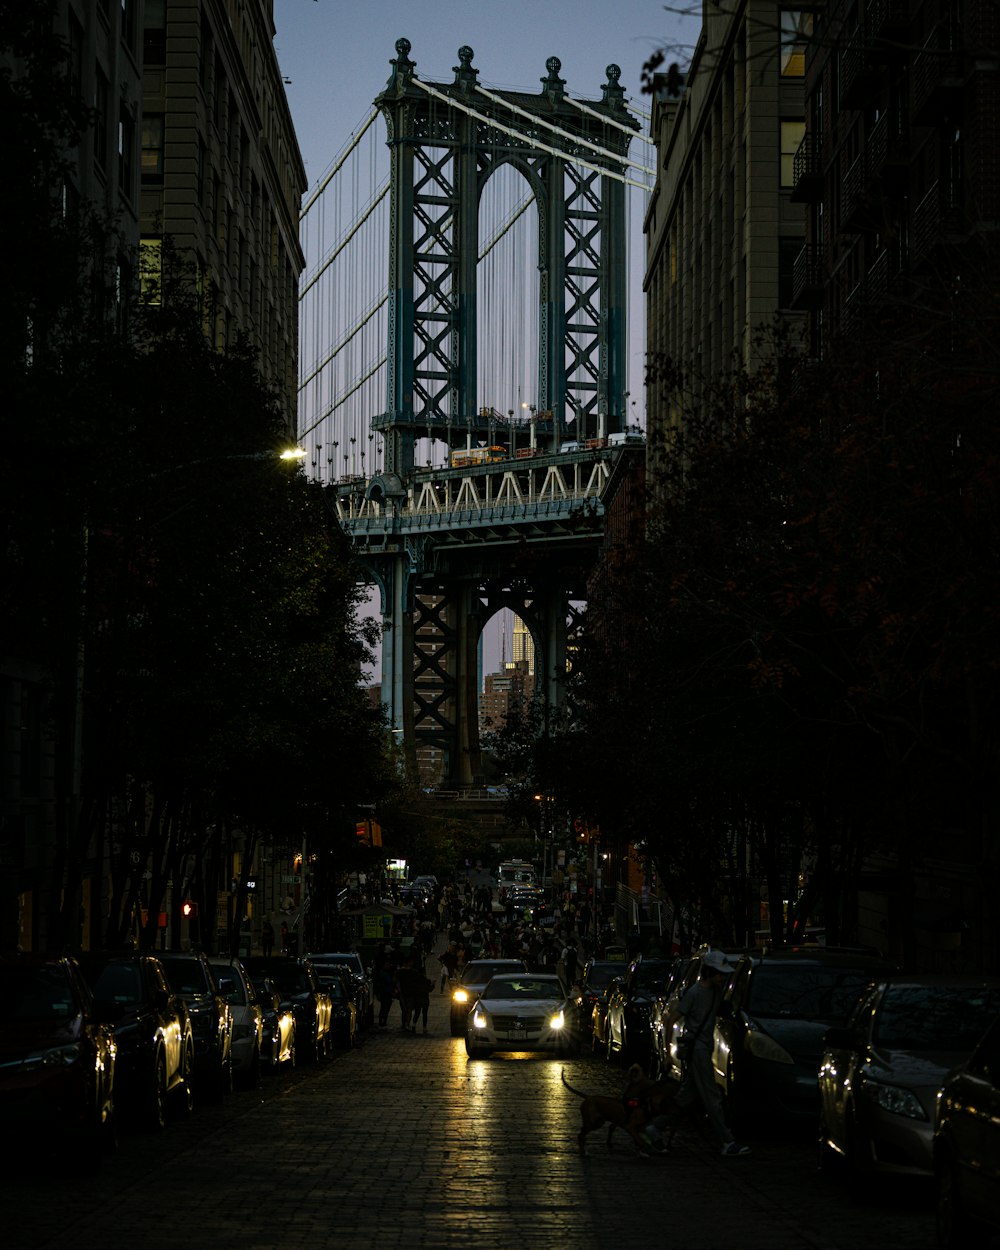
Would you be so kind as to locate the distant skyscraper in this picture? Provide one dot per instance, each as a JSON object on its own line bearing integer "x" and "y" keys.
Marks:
{"x": 523, "y": 645}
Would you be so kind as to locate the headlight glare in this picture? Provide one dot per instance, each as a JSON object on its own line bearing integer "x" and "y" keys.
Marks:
{"x": 894, "y": 1099}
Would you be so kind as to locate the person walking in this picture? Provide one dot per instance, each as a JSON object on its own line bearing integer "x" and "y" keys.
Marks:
{"x": 421, "y": 1000}
{"x": 267, "y": 938}
{"x": 385, "y": 984}
{"x": 410, "y": 981}
{"x": 449, "y": 965}
{"x": 699, "y": 1006}
{"x": 285, "y": 938}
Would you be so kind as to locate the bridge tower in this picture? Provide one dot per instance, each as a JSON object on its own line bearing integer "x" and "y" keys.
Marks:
{"x": 490, "y": 536}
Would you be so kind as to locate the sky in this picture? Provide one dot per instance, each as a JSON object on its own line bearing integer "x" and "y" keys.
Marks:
{"x": 335, "y": 57}
{"x": 336, "y": 54}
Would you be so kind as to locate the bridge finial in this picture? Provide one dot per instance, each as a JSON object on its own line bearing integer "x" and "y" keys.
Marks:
{"x": 552, "y": 84}
{"x": 613, "y": 91}
{"x": 465, "y": 74}
{"x": 402, "y": 66}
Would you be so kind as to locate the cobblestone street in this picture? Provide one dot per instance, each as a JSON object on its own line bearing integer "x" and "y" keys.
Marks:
{"x": 404, "y": 1142}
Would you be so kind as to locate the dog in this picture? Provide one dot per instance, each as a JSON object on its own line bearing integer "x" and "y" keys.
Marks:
{"x": 629, "y": 1112}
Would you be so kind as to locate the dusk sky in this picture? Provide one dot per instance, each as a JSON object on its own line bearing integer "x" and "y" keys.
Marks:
{"x": 336, "y": 58}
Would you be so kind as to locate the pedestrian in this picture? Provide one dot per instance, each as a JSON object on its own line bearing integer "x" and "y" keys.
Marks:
{"x": 267, "y": 938}
{"x": 699, "y": 1006}
{"x": 409, "y": 981}
{"x": 421, "y": 1000}
{"x": 385, "y": 983}
{"x": 449, "y": 965}
{"x": 569, "y": 957}
{"x": 284, "y": 938}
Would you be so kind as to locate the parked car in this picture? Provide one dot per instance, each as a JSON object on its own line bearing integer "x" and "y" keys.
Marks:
{"x": 629, "y": 1005}
{"x": 57, "y": 1062}
{"x": 335, "y": 980}
{"x": 362, "y": 991}
{"x": 599, "y": 1013}
{"x": 664, "y": 1053}
{"x": 518, "y": 1011}
{"x": 155, "y": 1063}
{"x": 277, "y": 1043}
{"x": 967, "y": 1148}
{"x": 880, "y": 1074}
{"x": 296, "y": 982}
{"x": 473, "y": 980}
{"x": 591, "y": 986}
{"x": 775, "y": 1010}
{"x": 191, "y": 977}
{"x": 248, "y": 1020}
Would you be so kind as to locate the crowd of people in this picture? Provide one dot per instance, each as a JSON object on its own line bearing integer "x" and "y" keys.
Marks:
{"x": 477, "y": 925}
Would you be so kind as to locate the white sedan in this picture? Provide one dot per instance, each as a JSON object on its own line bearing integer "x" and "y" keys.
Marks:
{"x": 519, "y": 1011}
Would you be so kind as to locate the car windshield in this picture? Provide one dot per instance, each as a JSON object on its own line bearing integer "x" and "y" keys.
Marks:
{"x": 523, "y": 987}
{"x": 36, "y": 994}
{"x": 236, "y": 991}
{"x": 186, "y": 976}
{"x": 290, "y": 980}
{"x": 479, "y": 974}
{"x": 119, "y": 983}
{"x": 806, "y": 993}
{"x": 939, "y": 1017}
{"x": 652, "y": 977}
{"x": 601, "y": 978}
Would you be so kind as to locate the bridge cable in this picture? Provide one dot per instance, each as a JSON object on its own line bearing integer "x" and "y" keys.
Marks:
{"x": 343, "y": 398}
{"x": 337, "y": 168}
{"x": 532, "y": 142}
{"x": 567, "y": 134}
{"x": 347, "y": 238}
{"x": 635, "y": 134}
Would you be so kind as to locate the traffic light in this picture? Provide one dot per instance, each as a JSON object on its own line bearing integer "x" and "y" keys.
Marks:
{"x": 189, "y": 910}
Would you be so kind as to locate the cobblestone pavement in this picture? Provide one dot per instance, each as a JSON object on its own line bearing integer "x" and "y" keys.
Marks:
{"x": 404, "y": 1142}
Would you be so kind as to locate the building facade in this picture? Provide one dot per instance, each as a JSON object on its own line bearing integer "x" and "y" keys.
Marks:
{"x": 899, "y": 167}
{"x": 722, "y": 230}
{"x": 221, "y": 174}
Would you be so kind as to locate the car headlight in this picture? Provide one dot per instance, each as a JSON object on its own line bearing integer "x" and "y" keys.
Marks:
{"x": 480, "y": 1020}
{"x": 761, "y": 1046}
{"x": 57, "y": 1057}
{"x": 558, "y": 1020}
{"x": 893, "y": 1098}
{"x": 460, "y": 996}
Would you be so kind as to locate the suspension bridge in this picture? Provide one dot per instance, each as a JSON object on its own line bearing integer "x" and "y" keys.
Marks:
{"x": 466, "y": 370}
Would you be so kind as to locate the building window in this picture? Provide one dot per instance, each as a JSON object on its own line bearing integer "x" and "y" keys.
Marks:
{"x": 788, "y": 250}
{"x": 154, "y": 33}
{"x": 126, "y": 151}
{"x": 151, "y": 270}
{"x": 796, "y": 31}
{"x": 792, "y": 133}
{"x": 101, "y": 96}
{"x": 75, "y": 56}
{"x": 152, "y": 149}
{"x": 128, "y": 23}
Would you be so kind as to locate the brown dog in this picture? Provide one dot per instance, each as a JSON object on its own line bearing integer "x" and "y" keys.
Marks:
{"x": 628, "y": 1112}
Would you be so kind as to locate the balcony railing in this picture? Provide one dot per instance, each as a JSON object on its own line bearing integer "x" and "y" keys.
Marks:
{"x": 808, "y": 277}
{"x": 807, "y": 171}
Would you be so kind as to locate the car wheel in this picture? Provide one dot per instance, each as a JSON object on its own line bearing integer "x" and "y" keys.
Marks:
{"x": 457, "y": 1028}
{"x": 253, "y": 1075}
{"x": 156, "y": 1118}
{"x": 656, "y": 1072}
{"x": 859, "y": 1177}
{"x": 826, "y": 1157}
{"x": 185, "y": 1090}
{"x": 953, "y": 1227}
{"x": 477, "y": 1052}
{"x": 292, "y": 1052}
{"x": 609, "y": 1050}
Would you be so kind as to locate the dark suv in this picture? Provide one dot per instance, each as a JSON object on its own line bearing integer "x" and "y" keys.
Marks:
{"x": 297, "y": 983}
{"x": 629, "y": 1005}
{"x": 190, "y": 976}
{"x": 152, "y": 1026}
{"x": 776, "y": 1007}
